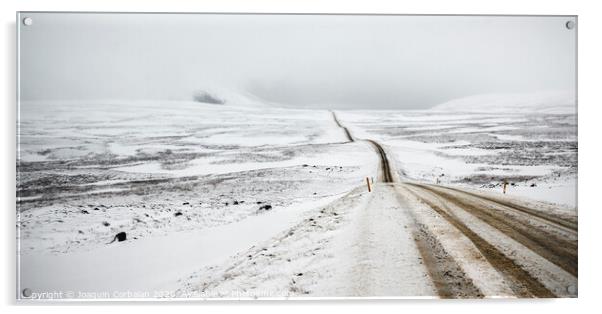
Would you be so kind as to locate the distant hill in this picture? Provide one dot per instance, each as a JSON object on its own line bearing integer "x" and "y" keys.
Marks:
{"x": 542, "y": 102}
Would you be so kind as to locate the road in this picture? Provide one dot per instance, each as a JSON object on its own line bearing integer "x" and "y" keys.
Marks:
{"x": 385, "y": 172}
{"x": 347, "y": 133}
{"x": 471, "y": 244}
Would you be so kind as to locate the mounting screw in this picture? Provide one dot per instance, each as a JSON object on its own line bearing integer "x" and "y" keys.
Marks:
{"x": 26, "y": 292}
{"x": 28, "y": 21}
{"x": 570, "y": 25}
{"x": 571, "y": 289}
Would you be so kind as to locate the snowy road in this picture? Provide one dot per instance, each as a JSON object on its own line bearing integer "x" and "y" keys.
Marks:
{"x": 533, "y": 250}
{"x": 410, "y": 239}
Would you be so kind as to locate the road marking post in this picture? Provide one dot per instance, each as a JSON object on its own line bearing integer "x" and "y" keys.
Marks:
{"x": 369, "y": 185}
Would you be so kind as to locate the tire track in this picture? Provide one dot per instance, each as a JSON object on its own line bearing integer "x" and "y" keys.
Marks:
{"x": 521, "y": 282}
{"x": 447, "y": 276}
{"x": 550, "y": 246}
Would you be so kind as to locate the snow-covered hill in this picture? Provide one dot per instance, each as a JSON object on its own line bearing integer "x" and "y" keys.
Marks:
{"x": 541, "y": 102}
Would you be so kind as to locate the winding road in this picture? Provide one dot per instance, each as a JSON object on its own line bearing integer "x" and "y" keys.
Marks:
{"x": 464, "y": 236}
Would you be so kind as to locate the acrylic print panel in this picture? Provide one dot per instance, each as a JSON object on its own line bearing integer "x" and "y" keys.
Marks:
{"x": 296, "y": 156}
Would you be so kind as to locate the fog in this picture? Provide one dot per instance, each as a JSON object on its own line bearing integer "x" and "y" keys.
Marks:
{"x": 387, "y": 62}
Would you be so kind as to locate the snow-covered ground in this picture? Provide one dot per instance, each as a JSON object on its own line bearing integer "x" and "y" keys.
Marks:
{"x": 173, "y": 176}
{"x": 248, "y": 201}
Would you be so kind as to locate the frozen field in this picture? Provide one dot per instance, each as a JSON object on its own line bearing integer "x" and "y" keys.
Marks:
{"x": 246, "y": 202}
{"x": 87, "y": 172}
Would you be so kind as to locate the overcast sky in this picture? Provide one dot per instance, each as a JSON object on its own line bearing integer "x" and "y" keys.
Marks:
{"x": 304, "y": 61}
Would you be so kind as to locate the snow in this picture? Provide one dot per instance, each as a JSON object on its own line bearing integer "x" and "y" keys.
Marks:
{"x": 139, "y": 164}
{"x": 378, "y": 252}
{"x": 551, "y": 102}
{"x": 562, "y": 192}
{"x": 187, "y": 181}
{"x": 293, "y": 263}
{"x": 151, "y": 265}
{"x": 64, "y": 130}
{"x": 211, "y": 165}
